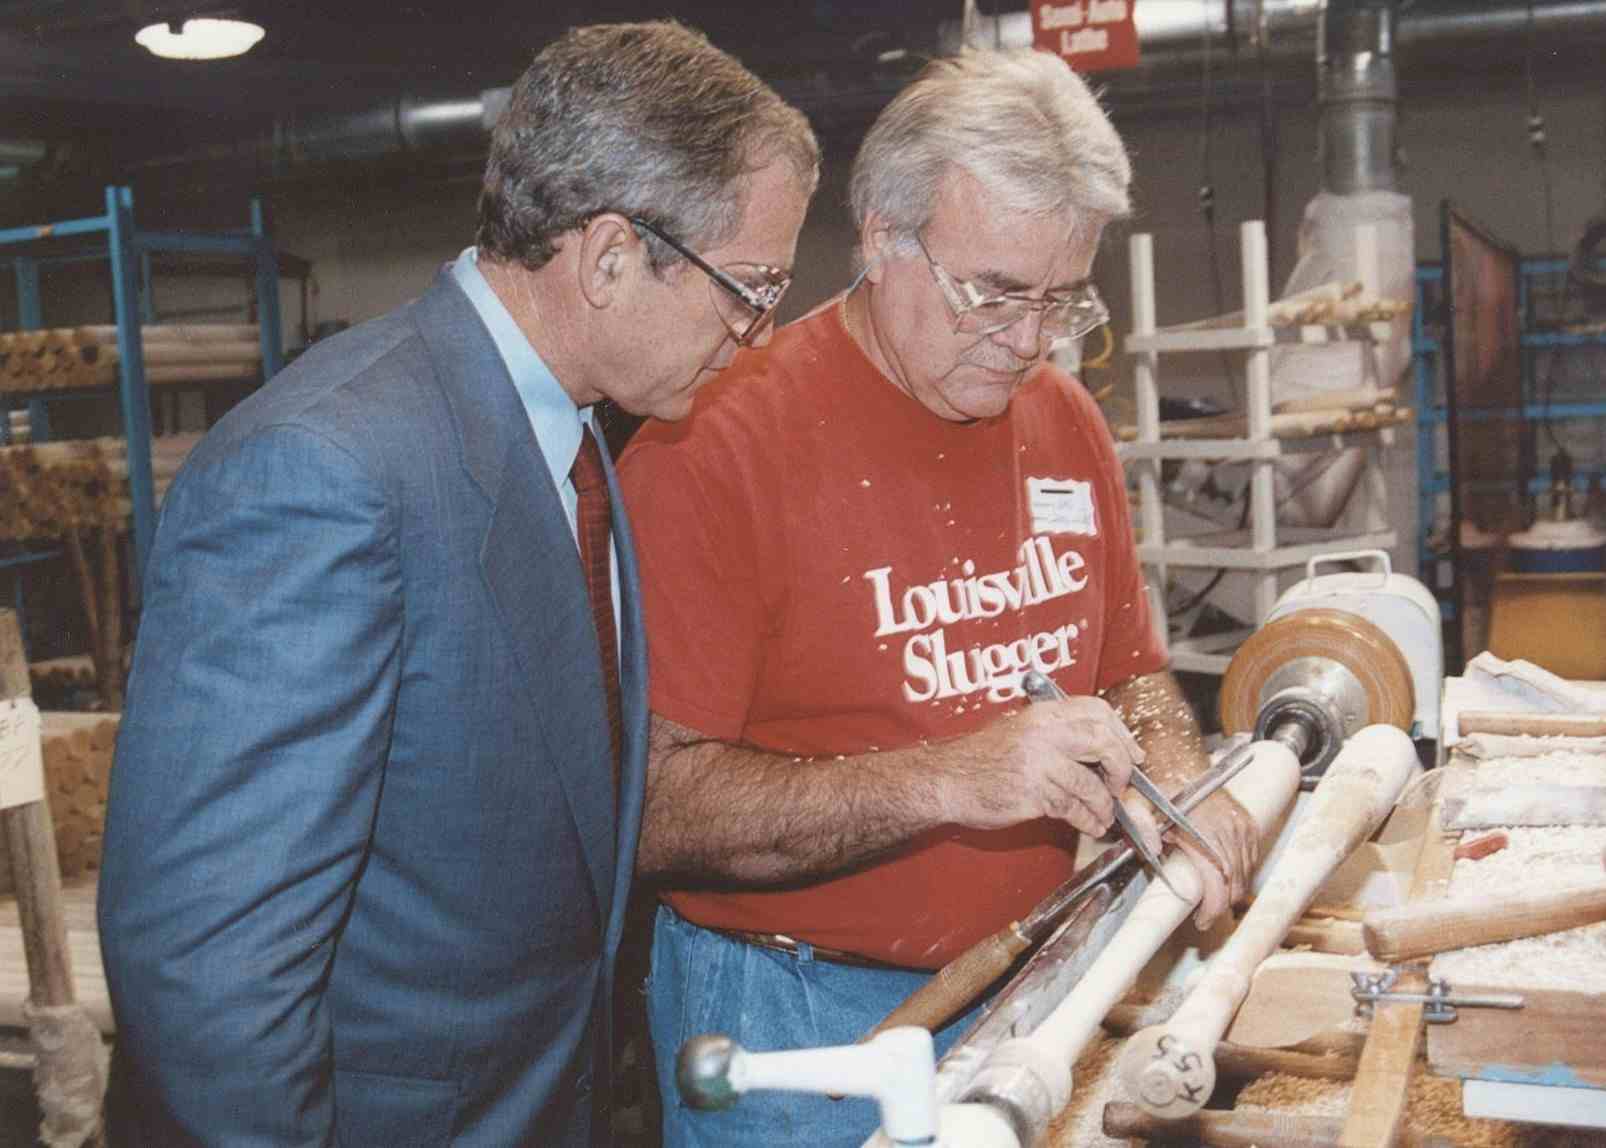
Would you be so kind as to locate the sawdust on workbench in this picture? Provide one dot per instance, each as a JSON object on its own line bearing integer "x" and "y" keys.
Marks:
{"x": 1538, "y": 860}
{"x": 1434, "y": 1110}
{"x": 1559, "y": 767}
{"x": 1095, "y": 1082}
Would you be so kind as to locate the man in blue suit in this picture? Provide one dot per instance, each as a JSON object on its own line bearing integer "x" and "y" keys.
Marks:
{"x": 371, "y": 827}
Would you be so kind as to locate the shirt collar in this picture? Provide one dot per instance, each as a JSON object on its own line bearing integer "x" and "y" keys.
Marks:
{"x": 553, "y": 416}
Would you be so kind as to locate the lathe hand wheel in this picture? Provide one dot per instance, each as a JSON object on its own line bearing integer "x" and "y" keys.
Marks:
{"x": 1334, "y": 636}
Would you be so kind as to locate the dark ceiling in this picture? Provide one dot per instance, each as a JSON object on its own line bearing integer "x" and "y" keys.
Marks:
{"x": 74, "y": 85}
{"x": 72, "y": 77}
{"x": 82, "y": 53}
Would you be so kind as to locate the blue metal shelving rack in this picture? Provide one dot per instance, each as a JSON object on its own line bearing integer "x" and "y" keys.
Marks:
{"x": 1433, "y": 478}
{"x": 129, "y": 251}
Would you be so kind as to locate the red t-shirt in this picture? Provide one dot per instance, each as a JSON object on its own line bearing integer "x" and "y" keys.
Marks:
{"x": 830, "y": 569}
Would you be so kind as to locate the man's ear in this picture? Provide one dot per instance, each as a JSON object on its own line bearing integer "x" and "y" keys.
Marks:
{"x": 607, "y": 245}
{"x": 875, "y": 242}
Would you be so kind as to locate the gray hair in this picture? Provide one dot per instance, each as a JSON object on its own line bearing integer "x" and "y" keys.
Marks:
{"x": 648, "y": 120}
{"x": 1022, "y": 123}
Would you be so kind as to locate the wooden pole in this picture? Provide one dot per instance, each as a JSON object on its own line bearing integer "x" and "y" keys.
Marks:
{"x": 1326, "y": 1056}
{"x": 86, "y": 587}
{"x": 70, "y": 1066}
{"x": 110, "y": 630}
{"x": 31, "y": 844}
{"x": 1411, "y": 931}
{"x": 1376, "y": 1117}
{"x": 1531, "y": 724}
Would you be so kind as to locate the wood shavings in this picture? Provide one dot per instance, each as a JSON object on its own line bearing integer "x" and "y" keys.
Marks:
{"x": 1554, "y": 767}
{"x": 1492, "y": 745}
{"x": 1295, "y": 1095}
{"x": 1538, "y": 859}
{"x": 1434, "y": 1110}
{"x": 1094, "y": 1083}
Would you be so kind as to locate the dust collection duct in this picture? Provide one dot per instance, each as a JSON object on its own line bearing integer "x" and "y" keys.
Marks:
{"x": 1358, "y": 95}
{"x": 1173, "y": 35}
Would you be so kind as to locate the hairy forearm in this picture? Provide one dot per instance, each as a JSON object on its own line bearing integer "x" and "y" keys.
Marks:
{"x": 717, "y": 811}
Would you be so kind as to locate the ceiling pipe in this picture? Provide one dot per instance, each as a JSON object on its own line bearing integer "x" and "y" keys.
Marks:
{"x": 1174, "y": 37}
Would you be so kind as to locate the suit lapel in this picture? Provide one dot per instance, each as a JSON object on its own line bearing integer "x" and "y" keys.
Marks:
{"x": 633, "y": 696}
{"x": 531, "y": 568}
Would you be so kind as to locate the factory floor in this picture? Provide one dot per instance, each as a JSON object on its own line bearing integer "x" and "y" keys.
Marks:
{"x": 19, "y": 1114}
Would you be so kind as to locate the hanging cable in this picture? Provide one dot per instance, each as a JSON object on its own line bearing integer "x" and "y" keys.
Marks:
{"x": 1537, "y": 139}
{"x": 1207, "y": 189}
{"x": 1268, "y": 135}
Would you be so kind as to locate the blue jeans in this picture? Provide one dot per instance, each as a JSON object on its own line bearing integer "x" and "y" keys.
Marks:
{"x": 705, "y": 982}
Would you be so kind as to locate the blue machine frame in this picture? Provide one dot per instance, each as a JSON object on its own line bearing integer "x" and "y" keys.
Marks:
{"x": 130, "y": 251}
{"x": 1433, "y": 478}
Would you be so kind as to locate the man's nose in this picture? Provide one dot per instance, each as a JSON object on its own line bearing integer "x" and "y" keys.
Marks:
{"x": 1025, "y": 335}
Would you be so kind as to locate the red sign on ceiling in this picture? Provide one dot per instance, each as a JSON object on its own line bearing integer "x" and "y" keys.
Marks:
{"x": 1092, "y": 35}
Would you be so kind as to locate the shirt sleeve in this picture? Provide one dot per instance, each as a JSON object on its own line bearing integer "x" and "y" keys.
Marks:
{"x": 702, "y": 597}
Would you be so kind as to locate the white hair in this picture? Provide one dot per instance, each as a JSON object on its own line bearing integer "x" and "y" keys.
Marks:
{"x": 1022, "y": 123}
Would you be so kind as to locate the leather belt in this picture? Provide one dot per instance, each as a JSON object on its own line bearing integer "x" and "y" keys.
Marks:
{"x": 781, "y": 943}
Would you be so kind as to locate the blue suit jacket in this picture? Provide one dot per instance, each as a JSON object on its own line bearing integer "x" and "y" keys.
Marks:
{"x": 364, "y": 876}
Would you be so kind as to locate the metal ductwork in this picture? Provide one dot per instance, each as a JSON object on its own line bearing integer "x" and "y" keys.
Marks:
{"x": 1173, "y": 35}
{"x": 1355, "y": 83}
{"x": 407, "y": 125}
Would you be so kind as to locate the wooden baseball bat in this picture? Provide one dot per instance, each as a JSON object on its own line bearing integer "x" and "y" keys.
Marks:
{"x": 1418, "y": 930}
{"x": 963, "y": 979}
{"x": 1171, "y": 1068}
{"x": 1032, "y": 1073}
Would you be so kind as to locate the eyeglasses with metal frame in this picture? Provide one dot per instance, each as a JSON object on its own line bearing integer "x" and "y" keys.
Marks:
{"x": 1065, "y": 316}
{"x": 744, "y": 307}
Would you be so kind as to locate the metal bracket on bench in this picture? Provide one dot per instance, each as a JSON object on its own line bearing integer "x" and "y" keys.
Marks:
{"x": 1440, "y": 1001}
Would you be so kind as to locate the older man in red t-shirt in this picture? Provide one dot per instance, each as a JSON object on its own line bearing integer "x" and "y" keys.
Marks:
{"x": 861, "y": 540}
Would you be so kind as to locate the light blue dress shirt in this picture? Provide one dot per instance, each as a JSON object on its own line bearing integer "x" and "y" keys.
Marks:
{"x": 553, "y": 416}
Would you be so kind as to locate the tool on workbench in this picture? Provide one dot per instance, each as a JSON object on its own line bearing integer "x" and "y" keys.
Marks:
{"x": 1040, "y": 687}
{"x": 964, "y": 978}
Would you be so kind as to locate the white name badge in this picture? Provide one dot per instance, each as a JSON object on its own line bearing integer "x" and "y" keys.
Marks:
{"x": 1061, "y": 506}
{"x": 22, "y": 763}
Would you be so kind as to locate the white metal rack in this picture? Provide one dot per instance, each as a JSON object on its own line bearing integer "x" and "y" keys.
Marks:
{"x": 1262, "y": 549}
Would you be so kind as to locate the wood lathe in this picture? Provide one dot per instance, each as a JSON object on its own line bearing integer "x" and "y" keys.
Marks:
{"x": 1338, "y": 652}
{"x": 1346, "y": 671}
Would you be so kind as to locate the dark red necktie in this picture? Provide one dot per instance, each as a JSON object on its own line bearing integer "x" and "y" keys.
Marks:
{"x": 592, "y": 521}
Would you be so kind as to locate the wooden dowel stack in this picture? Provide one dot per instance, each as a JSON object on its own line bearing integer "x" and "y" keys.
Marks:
{"x": 78, "y": 761}
{"x": 68, "y": 358}
{"x": 47, "y": 489}
{"x": 74, "y": 672}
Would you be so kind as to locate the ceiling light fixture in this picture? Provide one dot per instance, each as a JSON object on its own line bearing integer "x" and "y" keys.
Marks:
{"x": 200, "y": 39}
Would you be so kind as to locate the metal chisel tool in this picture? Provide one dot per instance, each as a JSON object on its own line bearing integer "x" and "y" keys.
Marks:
{"x": 967, "y": 976}
{"x": 1040, "y": 687}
